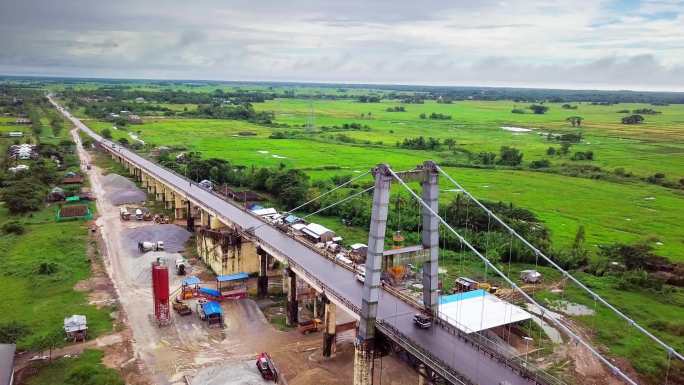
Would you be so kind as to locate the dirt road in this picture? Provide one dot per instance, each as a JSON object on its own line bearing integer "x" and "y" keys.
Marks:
{"x": 187, "y": 348}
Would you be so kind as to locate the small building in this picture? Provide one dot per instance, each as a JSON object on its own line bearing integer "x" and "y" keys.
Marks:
{"x": 7, "y": 364}
{"x": 76, "y": 327}
{"x": 476, "y": 311}
{"x": 56, "y": 195}
{"x": 265, "y": 212}
{"x": 232, "y": 286}
{"x": 359, "y": 251}
{"x": 134, "y": 119}
{"x": 291, "y": 219}
{"x": 318, "y": 233}
{"x": 140, "y": 99}
{"x": 73, "y": 179}
{"x": 23, "y": 121}
{"x": 15, "y": 134}
{"x": 464, "y": 284}
{"x": 530, "y": 276}
{"x": 298, "y": 226}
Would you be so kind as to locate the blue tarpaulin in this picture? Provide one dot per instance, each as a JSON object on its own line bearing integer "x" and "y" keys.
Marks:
{"x": 190, "y": 281}
{"x": 461, "y": 296}
{"x": 232, "y": 277}
{"x": 211, "y": 308}
{"x": 209, "y": 292}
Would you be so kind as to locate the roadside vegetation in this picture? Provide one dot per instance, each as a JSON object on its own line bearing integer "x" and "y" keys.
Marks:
{"x": 43, "y": 259}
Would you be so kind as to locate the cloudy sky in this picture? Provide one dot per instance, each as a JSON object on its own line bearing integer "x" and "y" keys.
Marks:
{"x": 623, "y": 44}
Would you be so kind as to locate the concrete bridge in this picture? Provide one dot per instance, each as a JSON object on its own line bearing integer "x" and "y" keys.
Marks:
{"x": 445, "y": 351}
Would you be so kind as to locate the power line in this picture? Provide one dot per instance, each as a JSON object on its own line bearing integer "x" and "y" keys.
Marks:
{"x": 615, "y": 369}
{"x": 537, "y": 252}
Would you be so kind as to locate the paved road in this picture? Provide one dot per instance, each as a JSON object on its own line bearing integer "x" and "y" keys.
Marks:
{"x": 461, "y": 356}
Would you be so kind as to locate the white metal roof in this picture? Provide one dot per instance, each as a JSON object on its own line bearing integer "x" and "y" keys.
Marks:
{"x": 267, "y": 211}
{"x": 298, "y": 226}
{"x": 357, "y": 246}
{"x": 75, "y": 323}
{"x": 478, "y": 310}
{"x": 316, "y": 230}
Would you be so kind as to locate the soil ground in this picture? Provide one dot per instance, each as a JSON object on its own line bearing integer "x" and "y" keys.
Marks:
{"x": 186, "y": 351}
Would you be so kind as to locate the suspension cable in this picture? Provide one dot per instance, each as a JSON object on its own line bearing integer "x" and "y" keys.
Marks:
{"x": 339, "y": 202}
{"x": 564, "y": 272}
{"x": 328, "y": 192}
{"x": 575, "y": 337}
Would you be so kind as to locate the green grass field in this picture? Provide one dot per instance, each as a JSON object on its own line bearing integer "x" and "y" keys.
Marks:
{"x": 610, "y": 211}
{"x": 74, "y": 370}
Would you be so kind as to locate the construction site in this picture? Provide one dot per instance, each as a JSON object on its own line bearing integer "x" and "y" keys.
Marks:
{"x": 198, "y": 320}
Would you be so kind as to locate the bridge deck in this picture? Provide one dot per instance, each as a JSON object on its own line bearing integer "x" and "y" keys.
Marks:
{"x": 460, "y": 355}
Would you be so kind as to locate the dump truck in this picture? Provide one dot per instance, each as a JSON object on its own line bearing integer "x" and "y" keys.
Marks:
{"x": 124, "y": 214}
{"x": 145, "y": 246}
{"x": 138, "y": 214}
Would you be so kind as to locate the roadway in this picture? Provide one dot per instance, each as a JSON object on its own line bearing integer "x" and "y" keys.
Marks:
{"x": 461, "y": 356}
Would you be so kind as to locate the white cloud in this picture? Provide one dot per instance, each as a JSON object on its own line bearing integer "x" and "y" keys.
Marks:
{"x": 581, "y": 44}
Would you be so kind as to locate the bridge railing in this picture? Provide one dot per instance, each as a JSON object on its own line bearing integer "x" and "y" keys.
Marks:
{"x": 484, "y": 345}
{"x": 491, "y": 349}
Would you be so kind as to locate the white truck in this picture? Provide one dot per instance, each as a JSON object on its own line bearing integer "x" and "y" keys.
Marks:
{"x": 181, "y": 266}
{"x": 145, "y": 246}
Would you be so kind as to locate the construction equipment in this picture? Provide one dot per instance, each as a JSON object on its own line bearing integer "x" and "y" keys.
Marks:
{"x": 124, "y": 214}
{"x": 265, "y": 366}
{"x": 181, "y": 265}
{"x": 145, "y": 246}
{"x": 308, "y": 326}
{"x": 181, "y": 307}
{"x": 138, "y": 214}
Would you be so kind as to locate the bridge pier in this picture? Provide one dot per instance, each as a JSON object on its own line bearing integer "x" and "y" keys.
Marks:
{"x": 179, "y": 207}
{"x": 190, "y": 223}
{"x": 430, "y": 194}
{"x": 364, "y": 352}
{"x": 364, "y": 346}
{"x": 292, "y": 304}
{"x": 422, "y": 375}
{"x": 262, "y": 280}
{"x": 329, "y": 328}
{"x": 159, "y": 191}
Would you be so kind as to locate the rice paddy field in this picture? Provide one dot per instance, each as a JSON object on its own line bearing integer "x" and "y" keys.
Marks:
{"x": 611, "y": 211}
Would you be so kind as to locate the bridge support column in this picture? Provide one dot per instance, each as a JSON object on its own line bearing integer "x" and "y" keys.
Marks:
{"x": 179, "y": 207}
{"x": 422, "y": 375}
{"x": 190, "y": 223}
{"x": 262, "y": 281}
{"x": 329, "y": 326}
{"x": 430, "y": 187}
{"x": 143, "y": 180}
{"x": 159, "y": 191}
{"x": 363, "y": 362}
{"x": 169, "y": 198}
{"x": 292, "y": 304}
{"x": 365, "y": 340}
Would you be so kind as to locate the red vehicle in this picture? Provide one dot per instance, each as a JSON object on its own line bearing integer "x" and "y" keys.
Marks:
{"x": 265, "y": 366}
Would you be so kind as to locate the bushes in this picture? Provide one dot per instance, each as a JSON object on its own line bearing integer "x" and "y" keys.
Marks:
{"x": 23, "y": 196}
{"x": 510, "y": 156}
{"x": 537, "y": 164}
{"x": 13, "y": 228}
{"x": 12, "y": 331}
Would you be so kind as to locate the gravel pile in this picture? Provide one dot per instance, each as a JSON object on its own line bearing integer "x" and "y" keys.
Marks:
{"x": 174, "y": 237}
{"x": 121, "y": 190}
